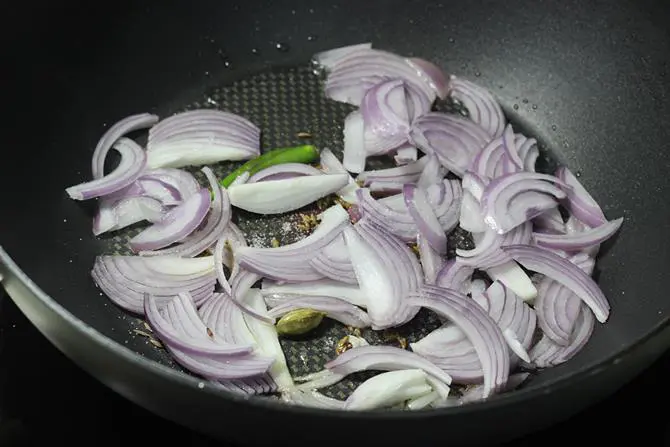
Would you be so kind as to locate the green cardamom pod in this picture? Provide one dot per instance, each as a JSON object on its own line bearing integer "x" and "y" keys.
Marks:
{"x": 299, "y": 321}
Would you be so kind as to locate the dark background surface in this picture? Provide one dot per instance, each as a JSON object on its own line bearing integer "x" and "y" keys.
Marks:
{"x": 44, "y": 397}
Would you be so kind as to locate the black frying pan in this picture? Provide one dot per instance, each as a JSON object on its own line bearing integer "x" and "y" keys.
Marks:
{"x": 595, "y": 71}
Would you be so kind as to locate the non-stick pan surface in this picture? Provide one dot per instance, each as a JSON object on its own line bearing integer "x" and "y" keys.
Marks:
{"x": 589, "y": 81}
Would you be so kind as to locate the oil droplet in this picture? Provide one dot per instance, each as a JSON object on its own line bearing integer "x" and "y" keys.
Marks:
{"x": 206, "y": 73}
{"x": 534, "y": 106}
{"x": 279, "y": 46}
{"x": 212, "y": 102}
{"x": 553, "y": 127}
{"x": 478, "y": 74}
{"x": 524, "y": 100}
{"x": 451, "y": 40}
{"x": 311, "y": 11}
{"x": 312, "y": 38}
{"x": 516, "y": 106}
{"x": 293, "y": 11}
{"x": 255, "y": 51}
{"x": 579, "y": 174}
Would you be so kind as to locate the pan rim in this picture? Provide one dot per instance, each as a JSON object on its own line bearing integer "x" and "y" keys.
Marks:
{"x": 496, "y": 401}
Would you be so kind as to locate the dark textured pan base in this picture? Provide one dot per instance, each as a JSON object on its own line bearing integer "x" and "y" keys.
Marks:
{"x": 284, "y": 103}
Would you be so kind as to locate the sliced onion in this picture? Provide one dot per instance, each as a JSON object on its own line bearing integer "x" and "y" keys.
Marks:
{"x": 454, "y": 140}
{"x": 546, "y": 353}
{"x": 125, "y": 279}
{"x": 214, "y": 367}
{"x": 406, "y": 154}
{"x": 178, "y": 223}
{"x": 327, "y": 59}
{"x": 331, "y": 165}
{"x": 216, "y": 223}
{"x": 513, "y": 199}
{"x": 278, "y": 293}
{"x": 514, "y": 278}
{"x": 180, "y": 184}
{"x": 485, "y": 335}
{"x": 487, "y": 252}
{"x": 200, "y": 137}
{"x": 268, "y": 341}
{"x": 125, "y": 212}
{"x": 564, "y": 272}
{"x": 515, "y": 163}
{"x": 424, "y": 217}
{"x": 334, "y": 308}
{"x": 579, "y": 241}
{"x": 354, "y": 143}
{"x": 388, "y": 358}
{"x": 262, "y": 384}
{"x": 241, "y": 285}
{"x": 283, "y": 171}
{"x": 528, "y": 151}
{"x": 482, "y": 107}
{"x": 291, "y": 262}
{"x": 470, "y": 218}
{"x": 333, "y": 262}
{"x": 121, "y": 128}
{"x": 399, "y": 223}
{"x": 432, "y": 75}
{"x": 226, "y": 319}
{"x": 455, "y": 275}
{"x": 475, "y": 184}
{"x": 385, "y": 117}
{"x": 550, "y": 221}
{"x": 475, "y": 393}
{"x": 133, "y": 160}
{"x": 356, "y": 73}
{"x": 402, "y": 266}
{"x": 408, "y": 173}
{"x": 188, "y": 333}
{"x": 280, "y": 196}
{"x": 431, "y": 260}
{"x": 557, "y": 309}
{"x": 579, "y": 201}
{"x": 446, "y": 202}
{"x": 219, "y": 249}
{"x": 313, "y": 399}
{"x": 432, "y": 174}
{"x": 389, "y": 389}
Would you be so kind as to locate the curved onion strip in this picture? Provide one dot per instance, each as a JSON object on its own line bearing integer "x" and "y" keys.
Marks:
{"x": 479, "y": 327}
{"x": 330, "y": 164}
{"x": 408, "y": 173}
{"x": 424, "y": 218}
{"x": 177, "y": 223}
{"x": 557, "y": 308}
{"x": 226, "y": 319}
{"x": 125, "y": 212}
{"x": 550, "y": 221}
{"x": 242, "y": 282}
{"x": 431, "y": 261}
{"x": 480, "y": 103}
{"x": 475, "y": 184}
{"x": 280, "y": 196}
{"x": 528, "y": 151}
{"x": 268, "y": 341}
{"x": 511, "y": 151}
{"x": 513, "y": 199}
{"x": 353, "y": 75}
{"x": 333, "y": 262}
{"x": 216, "y": 223}
{"x": 313, "y": 399}
{"x": 487, "y": 252}
{"x": 125, "y": 279}
{"x": 432, "y": 75}
{"x": 579, "y": 241}
{"x": 398, "y": 223}
{"x": 454, "y": 275}
{"x": 564, "y": 272}
{"x": 385, "y": 117}
{"x": 119, "y": 129}
{"x": 326, "y": 59}
{"x": 403, "y": 263}
{"x": 334, "y": 308}
{"x": 182, "y": 182}
{"x": 406, "y": 154}
{"x": 262, "y": 384}
{"x": 388, "y": 358}
{"x": 579, "y": 201}
{"x": 388, "y": 389}
{"x": 195, "y": 340}
{"x": 454, "y": 140}
{"x": 354, "y": 155}
{"x": 276, "y": 293}
{"x": 133, "y": 160}
{"x": 283, "y": 171}
{"x": 218, "y": 265}
{"x": 546, "y": 353}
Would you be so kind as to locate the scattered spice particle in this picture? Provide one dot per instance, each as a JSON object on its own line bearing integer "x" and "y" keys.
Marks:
{"x": 142, "y": 333}
{"x": 343, "y": 345}
{"x": 346, "y": 205}
{"x": 147, "y": 327}
{"x": 304, "y": 135}
{"x": 415, "y": 248}
{"x": 309, "y": 222}
{"x": 156, "y": 343}
{"x": 210, "y": 333}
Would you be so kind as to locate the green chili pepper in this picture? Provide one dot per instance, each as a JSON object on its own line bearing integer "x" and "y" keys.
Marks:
{"x": 298, "y": 154}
